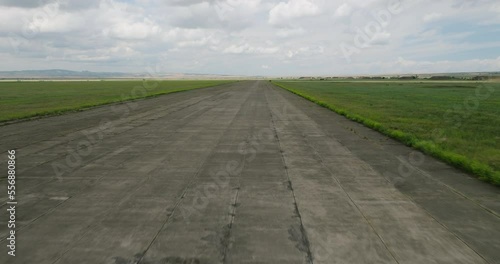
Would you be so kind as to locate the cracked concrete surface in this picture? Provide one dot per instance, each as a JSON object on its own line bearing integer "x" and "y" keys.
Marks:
{"x": 239, "y": 173}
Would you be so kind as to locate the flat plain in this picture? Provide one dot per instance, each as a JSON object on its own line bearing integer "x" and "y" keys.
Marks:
{"x": 245, "y": 172}
{"x": 37, "y": 98}
{"x": 456, "y": 121}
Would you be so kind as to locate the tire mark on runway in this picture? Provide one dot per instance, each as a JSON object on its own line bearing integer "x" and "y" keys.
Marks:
{"x": 457, "y": 236}
{"x": 343, "y": 189}
{"x": 132, "y": 193}
{"x": 106, "y": 155}
{"x": 301, "y": 237}
{"x": 97, "y": 157}
{"x": 61, "y": 203}
{"x": 140, "y": 116}
{"x": 191, "y": 182}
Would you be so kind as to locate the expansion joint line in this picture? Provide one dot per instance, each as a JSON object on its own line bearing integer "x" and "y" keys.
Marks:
{"x": 122, "y": 201}
{"x": 228, "y": 233}
{"x": 432, "y": 216}
{"x": 189, "y": 184}
{"x": 349, "y": 197}
{"x": 309, "y": 257}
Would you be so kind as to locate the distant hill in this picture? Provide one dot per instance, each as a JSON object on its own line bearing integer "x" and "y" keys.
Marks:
{"x": 65, "y": 74}
{"x": 57, "y": 73}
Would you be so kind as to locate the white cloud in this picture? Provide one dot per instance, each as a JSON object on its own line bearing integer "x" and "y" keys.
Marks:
{"x": 496, "y": 7}
{"x": 305, "y": 51}
{"x": 205, "y": 41}
{"x": 132, "y": 30}
{"x": 284, "y": 11}
{"x": 381, "y": 38}
{"x": 343, "y": 10}
{"x": 432, "y": 17}
{"x": 405, "y": 63}
{"x": 92, "y": 58}
{"x": 242, "y": 36}
{"x": 290, "y": 32}
{"x": 401, "y": 65}
{"x": 248, "y": 49}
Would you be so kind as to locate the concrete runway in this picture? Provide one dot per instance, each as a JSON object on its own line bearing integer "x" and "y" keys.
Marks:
{"x": 239, "y": 173}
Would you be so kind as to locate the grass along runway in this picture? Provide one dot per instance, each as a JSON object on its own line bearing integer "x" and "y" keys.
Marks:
{"x": 457, "y": 122}
{"x": 30, "y": 99}
{"x": 237, "y": 172}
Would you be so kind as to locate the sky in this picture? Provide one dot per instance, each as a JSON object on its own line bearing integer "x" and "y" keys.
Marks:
{"x": 251, "y": 37}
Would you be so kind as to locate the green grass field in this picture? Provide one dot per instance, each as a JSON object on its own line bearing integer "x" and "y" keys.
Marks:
{"x": 458, "y": 122}
{"x": 29, "y": 99}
